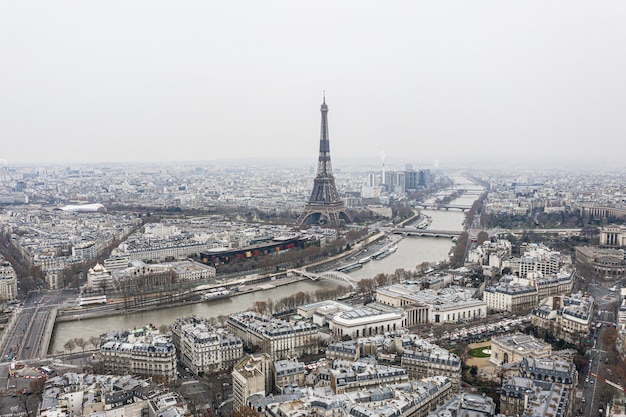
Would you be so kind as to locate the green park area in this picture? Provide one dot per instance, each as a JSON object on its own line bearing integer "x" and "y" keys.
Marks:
{"x": 481, "y": 352}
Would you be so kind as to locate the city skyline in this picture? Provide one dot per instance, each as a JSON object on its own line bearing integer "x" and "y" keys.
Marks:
{"x": 461, "y": 83}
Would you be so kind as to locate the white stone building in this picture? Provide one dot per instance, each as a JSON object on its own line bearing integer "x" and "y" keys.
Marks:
{"x": 98, "y": 278}
{"x": 279, "y": 338}
{"x": 515, "y": 347}
{"x": 204, "y": 348}
{"x": 613, "y": 236}
{"x": 520, "y": 295}
{"x": 535, "y": 258}
{"x": 8, "y": 281}
{"x": 366, "y": 321}
{"x": 490, "y": 255}
{"x": 447, "y": 305}
{"x": 566, "y": 318}
{"x": 142, "y": 352}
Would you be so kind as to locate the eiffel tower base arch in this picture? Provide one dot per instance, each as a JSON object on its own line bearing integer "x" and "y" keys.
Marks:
{"x": 325, "y": 215}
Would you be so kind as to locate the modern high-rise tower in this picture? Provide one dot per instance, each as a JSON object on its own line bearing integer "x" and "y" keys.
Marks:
{"x": 324, "y": 207}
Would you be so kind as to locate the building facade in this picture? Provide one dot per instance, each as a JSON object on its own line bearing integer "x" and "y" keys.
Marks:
{"x": 8, "y": 281}
{"x": 366, "y": 321}
{"x": 515, "y": 347}
{"x": 288, "y": 373}
{"x": 607, "y": 263}
{"x": 140, "y": 352}
{"x": 279, "y": 338}
{"x": 251, "y": 375}
{"x": 613, "y": 236}
{"x": 520, "y": 295}
{"x": 204, "y": 348}
{"x": 566, "y": 318}
{"x": 447, "y": 305}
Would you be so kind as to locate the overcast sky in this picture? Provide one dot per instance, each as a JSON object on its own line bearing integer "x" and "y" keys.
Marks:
{"x": 466, "y": 81}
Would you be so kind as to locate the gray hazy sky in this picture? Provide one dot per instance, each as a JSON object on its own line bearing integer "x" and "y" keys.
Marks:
{"x": 418, "y": 80}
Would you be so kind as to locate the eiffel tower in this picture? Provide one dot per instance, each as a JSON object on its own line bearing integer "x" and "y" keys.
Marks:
{"x": 324, "y": 207}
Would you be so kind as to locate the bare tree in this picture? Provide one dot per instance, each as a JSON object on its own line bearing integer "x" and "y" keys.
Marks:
{"x": 70, "y": 345}
{"x": 482, "y": 237}
{"x": 221, "y": 319}
{"x": 94, "y": 341}
{"x": 37, "y": 387}
{"x": 260, "y": 307}
{"x": 381, "y": 279}
{"x": 399, "y": 274}
{"x": 27, "y": 402}
{"x": 423, "y": 267}
{"x": 81, "y": 343}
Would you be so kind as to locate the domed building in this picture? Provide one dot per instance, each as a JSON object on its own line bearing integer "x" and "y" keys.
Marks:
{"x": 98, "y": 278}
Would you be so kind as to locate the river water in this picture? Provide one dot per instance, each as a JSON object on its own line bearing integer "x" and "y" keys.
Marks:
{"x": 411, "y": 252}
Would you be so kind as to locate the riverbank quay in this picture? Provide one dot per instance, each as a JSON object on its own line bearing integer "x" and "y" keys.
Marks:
{"x": 244, "y": 285}
{"x": 116, "y": 307}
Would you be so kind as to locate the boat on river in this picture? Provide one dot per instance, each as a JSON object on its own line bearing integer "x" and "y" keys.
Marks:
{"x": 350, "y": 267}
{"x": 216, "y": 294}
{"x": 386, "y": 252}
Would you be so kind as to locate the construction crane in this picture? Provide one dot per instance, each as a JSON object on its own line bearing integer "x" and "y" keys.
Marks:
{"x": 611, "y": 383}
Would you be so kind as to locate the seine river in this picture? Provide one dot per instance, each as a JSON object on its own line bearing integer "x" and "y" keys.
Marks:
{"x": 411, "y": 252}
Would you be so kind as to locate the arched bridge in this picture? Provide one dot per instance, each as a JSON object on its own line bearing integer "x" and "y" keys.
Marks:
{"x": 408, "y": 231}
{"x": 446, "y": 207}
{"x": 334, "y": 275}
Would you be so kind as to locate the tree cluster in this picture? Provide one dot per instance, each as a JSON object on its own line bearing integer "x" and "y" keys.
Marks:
{"x": 368, "y": 286}
{"x": 271, "y": 306}
{"x": 458, "y": 255}
{"x": 82, "y": 343}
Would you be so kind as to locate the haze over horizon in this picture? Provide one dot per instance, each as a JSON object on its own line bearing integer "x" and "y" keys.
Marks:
{"x": 459, "y": 82}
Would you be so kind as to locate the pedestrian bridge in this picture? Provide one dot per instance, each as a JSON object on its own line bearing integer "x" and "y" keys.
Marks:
{"x": 334, "y": 275}
{"x": 409, "y": 231}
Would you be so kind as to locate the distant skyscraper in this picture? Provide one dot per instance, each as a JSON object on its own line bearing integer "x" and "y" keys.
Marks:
{"x": 324, "y": 206}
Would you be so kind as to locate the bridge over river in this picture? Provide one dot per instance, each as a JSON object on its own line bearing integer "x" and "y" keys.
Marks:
{"x": 446, "y": 207}
{"x": 409, "y": 231}
{"x": 334, "y": 275}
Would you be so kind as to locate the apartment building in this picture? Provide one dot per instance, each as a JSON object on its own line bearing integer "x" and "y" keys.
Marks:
{"x": 535, "y": 257}
{"x": 490, "y": 255}
{"x": 204, "y": 348}
{"x": 288, "y": 373}
{"x": 422, "y": 359}
{"x": 405, "y": 399}
{"x": 251, "y": 375}
{"x": 514, "y": 298}
{"x": 365, "y": 372}
{"x": 8, "y": 281}
{"x": 526, "y": 396}
{"x": 280, "y": 339}
{"x": 140, "y": 352}
{"x": 566, "y": 318}
{"x": 520, "y": 295}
